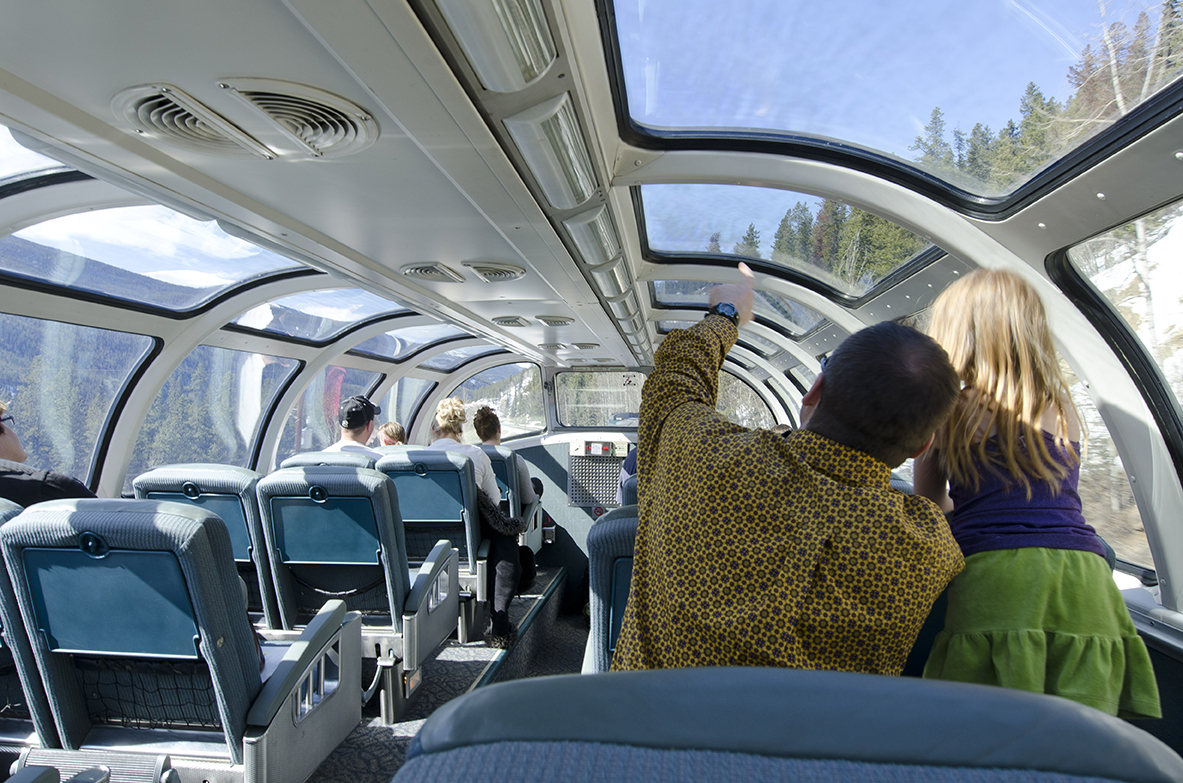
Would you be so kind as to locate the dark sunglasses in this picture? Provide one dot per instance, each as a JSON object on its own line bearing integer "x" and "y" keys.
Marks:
{"x": 6, "y": 420}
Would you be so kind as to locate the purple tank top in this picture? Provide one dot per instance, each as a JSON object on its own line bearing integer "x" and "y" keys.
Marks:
{"x": 999, "y": 515}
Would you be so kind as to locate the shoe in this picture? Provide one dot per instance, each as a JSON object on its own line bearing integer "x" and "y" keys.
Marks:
{"x": 502, "y": 641}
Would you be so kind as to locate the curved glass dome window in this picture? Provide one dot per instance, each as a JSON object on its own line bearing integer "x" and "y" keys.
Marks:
{"x": 16, "y": 162}
{"x": 450, "y": 360}
{"x": 403, "y": 400}
{"x": 981, "y": 95}
{"x": 786, "y": 313}
{"x": 840, "y": 246}
{"x": 147, "y": 255}
{"x": 740, "y": 404}
{"x": 398, "y": 344}
{"x": 316, "y": 316}
{"x": 759, "y": 344}
{"x": 311, "y": 423}
{"x": 513, "y": 391}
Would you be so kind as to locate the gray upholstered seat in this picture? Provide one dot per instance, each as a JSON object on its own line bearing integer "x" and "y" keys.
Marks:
{"x": 25, "y": 719}
{"x": 723, "y": 724}
{"x": 610, "y": 544}
{"x": 629, "y": 491}
{"x": 508, "y": 467}
{"x": 229, "y": 492}
{"x": 135, "y": 616}
{"x": 342, "y": 459}
{"x": 437, "y": 500}
{"x": 335, "y": 532}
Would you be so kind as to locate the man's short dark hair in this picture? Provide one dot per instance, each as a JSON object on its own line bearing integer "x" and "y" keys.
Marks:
{"x": 886, "y": 388}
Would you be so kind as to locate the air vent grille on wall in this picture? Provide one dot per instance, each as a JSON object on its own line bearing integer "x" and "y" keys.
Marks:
{"x": 511, "y": 320}
{"x": 436, "y": 273}
{"x": 313, "y": 122}
{"x": 162, "y": 112}
{"x": 495, "y": 273}
{"x": 555, "y": 320}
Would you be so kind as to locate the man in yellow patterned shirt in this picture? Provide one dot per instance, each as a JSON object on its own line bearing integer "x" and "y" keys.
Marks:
{"x": 756, "y": 549}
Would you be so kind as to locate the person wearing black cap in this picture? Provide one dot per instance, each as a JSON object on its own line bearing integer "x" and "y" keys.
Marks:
{"x": 356, "y": 417}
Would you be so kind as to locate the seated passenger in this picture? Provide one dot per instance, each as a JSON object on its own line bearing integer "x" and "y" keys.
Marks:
{"x": 392, "y": 434}
{"x": 505, "y": 568}
{"x": 488, "y": 429}
{"x": 356, "y": 417}
{"x": 627, "y": 468}
{"x": 24, "y": 485}
{"x": 756, "y": 549}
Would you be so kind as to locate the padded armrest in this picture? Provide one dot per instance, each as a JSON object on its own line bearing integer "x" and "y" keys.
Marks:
{"x": 311, "y": 643}
{"x": 436, "y": 562}
{"x": 36, "y": 775}
{"x": 529, "y": 511}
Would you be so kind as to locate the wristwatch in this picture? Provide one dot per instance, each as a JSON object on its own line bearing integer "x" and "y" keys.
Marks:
{"x": 727, "y": 310}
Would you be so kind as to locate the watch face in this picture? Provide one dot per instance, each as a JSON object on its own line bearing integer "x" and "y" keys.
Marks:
{"x": 727, "y": 309}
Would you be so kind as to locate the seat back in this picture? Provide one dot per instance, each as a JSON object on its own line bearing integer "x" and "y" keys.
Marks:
{"x": 334, "y": 532}
{"x": 344, "y": 459}
{"x": 179, "y": 653}
{"x": 610, "y": 545}
{"x": 229, "y": 492}
{"x": 629, "y": 491}
{"x": 24, "y": 698}
{"x": 437, "y": 499}
{"x": 752, "y": 723}
{"x": 505, "y": 468}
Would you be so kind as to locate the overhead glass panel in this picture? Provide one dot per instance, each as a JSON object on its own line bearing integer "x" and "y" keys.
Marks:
{"x": 148, "y": 255}
{"x": 844, "y": 248}
{"x": 209, "y": 409}
{"x": 982, "y": 95}
{"x": 786, "y": 313}
{"x": 398, "y": 344}
{"x": 16, "y": 161}
{"x": 450, "y": 360}
{"x": 60, "y": 382}
{"x": 513, "y": 391}
{"x": 759, "y": 344}
{"x": 404, "y": 399}
{"x": 311, "y": 424}
{"x": 317, "y": 316}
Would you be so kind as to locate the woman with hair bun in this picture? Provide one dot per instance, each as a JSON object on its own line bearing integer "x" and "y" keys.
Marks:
{"x": 505, "y": 569}
{"x": 488, "y": 429}
{"x": 1036, "y": 607}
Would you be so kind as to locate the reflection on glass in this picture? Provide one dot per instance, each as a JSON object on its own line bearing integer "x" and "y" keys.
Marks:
{"x": 513, "y": 391}
{"x": 781, "y": 311}
{"x": 209, "y": 410}
{"x": 1032, "y": 80}
{"x": 846, "y": 248}
{"x": 740, "y": 404}
{"x": 758, "y": 344}
{"x": 450, "y": 360}
{"x": 398, "y": 344}
{"x": 151, "y": 255}
{"x": 598, "y": 399}
{"x": 316, "y": 316}
{"x": 311, "y": 424}
{"x": 60, "y": 381}
{"x": 402, "y": 400}
{"x": 15, "y": 160}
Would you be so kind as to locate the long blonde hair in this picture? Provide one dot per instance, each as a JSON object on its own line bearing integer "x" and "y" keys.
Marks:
{"x": 449, "y": 417}
{"x": 994, "y": 328}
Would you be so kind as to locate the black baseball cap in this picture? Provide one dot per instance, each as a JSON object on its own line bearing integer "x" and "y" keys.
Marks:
{"x": 357, "y": 412}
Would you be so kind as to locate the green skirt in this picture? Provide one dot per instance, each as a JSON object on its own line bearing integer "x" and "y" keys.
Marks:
{"x": 1048, "y": 621}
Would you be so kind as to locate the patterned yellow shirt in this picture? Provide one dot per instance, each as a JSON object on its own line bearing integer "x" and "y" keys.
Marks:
{"x": 755, "y": 549}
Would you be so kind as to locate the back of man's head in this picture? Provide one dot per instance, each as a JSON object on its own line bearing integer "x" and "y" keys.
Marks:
{"x": 356, "y": 413}
{"x": 885, "y": 390}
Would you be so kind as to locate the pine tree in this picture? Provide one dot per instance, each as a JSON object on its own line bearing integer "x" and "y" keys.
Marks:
{"x": 935, "y": 152}
{"x": 827, "y": 234}
{"x": 785, "y": 240}
{"x": 801, "y": 219}
{"x": 750, "y": 244}
{"x": 713, "y": 243}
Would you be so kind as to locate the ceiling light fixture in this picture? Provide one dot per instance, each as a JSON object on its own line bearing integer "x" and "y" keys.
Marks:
{"x": 613, "y": 278}
{"x": 507, "y": 42}
{"x": 594, "y": 236}
{"x": 551, "y": 141}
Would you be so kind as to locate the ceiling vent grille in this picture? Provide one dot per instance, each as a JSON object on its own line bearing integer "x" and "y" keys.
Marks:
{"x": 555, "y": 320}
{"x": 312, "y": 122}
{"x": 495, "y": 273}
{"x": 552, "y": 346}
{"x": 586, "y": 346}
{"x": 165, "y": 113}
{"x": 435, "y": 273}
{"x": 511, "y": 320}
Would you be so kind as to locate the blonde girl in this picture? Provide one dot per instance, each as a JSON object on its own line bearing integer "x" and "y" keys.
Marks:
{"x": 1036, "y": 607}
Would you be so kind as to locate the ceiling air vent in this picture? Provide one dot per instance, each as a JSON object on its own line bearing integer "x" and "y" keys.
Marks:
{"x": 586, "y": 346}
{"x": 552, "y": 346}
{"x": 490, "y": 272}
{"x": 511, "y": 320}
{"x": 555, "y": 320}
{"x": 435, "y": 273}
{"x": 312, "y": 123}
{"x": 164, "y": 113}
